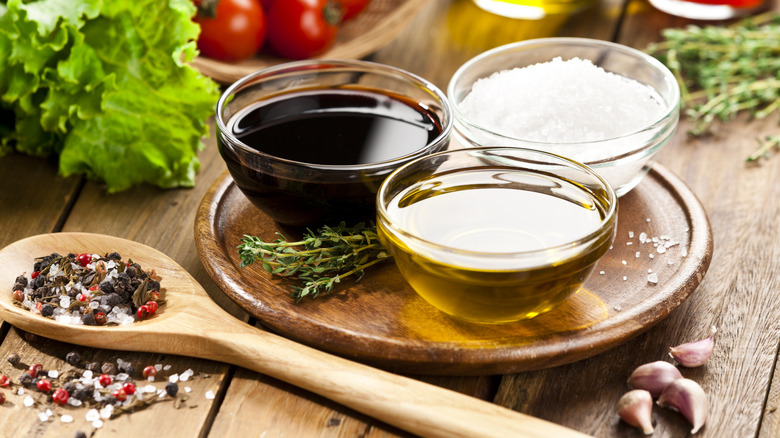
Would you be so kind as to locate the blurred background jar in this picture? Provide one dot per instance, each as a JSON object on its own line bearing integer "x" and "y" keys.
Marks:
{"x": 532, "y": 9}
{"x": 709, "y": 9}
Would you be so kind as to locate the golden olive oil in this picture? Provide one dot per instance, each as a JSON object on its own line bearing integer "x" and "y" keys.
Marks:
{"x": 496, "y": 244}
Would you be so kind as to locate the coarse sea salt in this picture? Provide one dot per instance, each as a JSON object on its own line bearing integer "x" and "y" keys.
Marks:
{"x": 571, "y": 101}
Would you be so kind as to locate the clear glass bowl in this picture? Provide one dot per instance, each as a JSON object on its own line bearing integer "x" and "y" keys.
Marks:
{"x": 622, "y": 160}
{"x": 299, "y": 193}
{"x": 495, "y": 235}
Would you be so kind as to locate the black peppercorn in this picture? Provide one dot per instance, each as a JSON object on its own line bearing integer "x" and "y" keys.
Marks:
{"x": 108, "y": 368}
{"x": 88, "y": 319}
{"x": 79, "y": 434}
{"x": 14, "y": 359}
{"x": 73, "y": 358}
{"x": 80, "y": 394}
{"x": 171, "y": 388}
{"x": 127, "y": 368}
{"x": 21, "y": 280}
{"x": 70, "y": 387}
{"x": 26, "y": 379}
{"x": 94, "y": 367}
{"x": 47, "y": 310}
{"x": 106, "y": 287}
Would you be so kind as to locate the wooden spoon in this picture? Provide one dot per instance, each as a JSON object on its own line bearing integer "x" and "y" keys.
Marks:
{"x": 191, "y": 324}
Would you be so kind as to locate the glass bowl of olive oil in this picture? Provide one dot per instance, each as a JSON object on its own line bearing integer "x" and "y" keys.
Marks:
{"x": 496, "y": 234}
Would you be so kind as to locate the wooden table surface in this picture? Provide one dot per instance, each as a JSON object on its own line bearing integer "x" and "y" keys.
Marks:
{"x": 739, "y": 294}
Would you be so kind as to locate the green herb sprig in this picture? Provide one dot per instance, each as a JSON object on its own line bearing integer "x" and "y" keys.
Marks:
{"x": 725, "y": 70}
{"x": 319, "y": 259}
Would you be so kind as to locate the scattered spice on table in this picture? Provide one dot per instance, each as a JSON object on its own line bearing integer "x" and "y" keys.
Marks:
{"x": 105, "y": 396}
{"x": 89, "y": 289}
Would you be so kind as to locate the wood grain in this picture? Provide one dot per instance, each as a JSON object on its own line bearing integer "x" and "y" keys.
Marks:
{"x": 381, "y": 321}
{"x": 191, "y": 324}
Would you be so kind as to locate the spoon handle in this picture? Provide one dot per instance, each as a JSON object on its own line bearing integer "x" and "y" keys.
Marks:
{"x": 409, "y": 404}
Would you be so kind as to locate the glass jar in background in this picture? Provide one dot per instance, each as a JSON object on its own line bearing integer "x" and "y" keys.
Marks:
{"x": 709, "y": 9}
{"x": 532, "y": 9}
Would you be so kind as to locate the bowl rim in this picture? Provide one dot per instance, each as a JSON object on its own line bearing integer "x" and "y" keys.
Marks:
{"x": 447, "y": 121}
{"x": 608, "y": 223}
{"x": 672, "y": 108}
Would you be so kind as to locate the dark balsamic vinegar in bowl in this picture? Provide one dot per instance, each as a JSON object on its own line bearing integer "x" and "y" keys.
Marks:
{"x": 316, "y": 155}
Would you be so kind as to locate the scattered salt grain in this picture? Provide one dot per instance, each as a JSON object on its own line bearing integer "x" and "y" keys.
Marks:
{"x": 651, "y": 256}
{"x": 648, "y": 220}
{"x": 625, "y": 278}
{"x": 166, "y": 367}
{"x": 210, "y": 395}
{"x": 661, "y": 249}
{"x": 87, "y": 374}
{"x": 105, "y": 412}
{"x": 186, "y": 375}
{"x": 73, "y": 401}
{"x": 28, "y": 401}
{"x": 173, "y": 378}
{"x": 684, "y": 252}
{"x": 629, "y": 243}
{"x": 53, "y": 374}
{"x": 92, "y": 415}
{"x": 150, "y": 388}
{"x": 122, "y": 376}
{"x": 624, "y": 262}
{"x": 638, "y": 254}
{"x": 630, "y": 234}
{"x": 20, "y": 391}
{"x": 158, "y": 366}
{"x": 652, "y": 278}
{"x": 617, "y": 308}
{"x": 97, "y": 424}
{"x": 649, "y": 271}
{"x": 602, "y": 272}
{"x": 66, "y": 418}
{"x": 187, "y": 389}
{"x": 43, "y": 417}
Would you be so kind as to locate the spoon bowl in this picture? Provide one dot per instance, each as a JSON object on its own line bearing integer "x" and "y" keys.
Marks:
{"x": 191, "y": 324}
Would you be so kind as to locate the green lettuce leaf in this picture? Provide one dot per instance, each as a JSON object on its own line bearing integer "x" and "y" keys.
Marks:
{"x": 106, "y": 86}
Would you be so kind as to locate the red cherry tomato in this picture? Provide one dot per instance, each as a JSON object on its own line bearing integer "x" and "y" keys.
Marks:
{"x": 235, "y": 33}
{"x": 351, "y": 8}
{"x": 300, "y": 29}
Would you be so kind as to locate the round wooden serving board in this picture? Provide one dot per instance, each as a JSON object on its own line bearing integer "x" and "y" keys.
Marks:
{"x": 374, "y": 27}
{"x": 381, "y": 321}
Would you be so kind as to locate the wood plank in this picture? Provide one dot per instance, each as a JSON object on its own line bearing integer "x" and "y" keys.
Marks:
{"x": 738, "y": 294}
{"x": 163, "y": 219}
{"x": 34, "y": 198}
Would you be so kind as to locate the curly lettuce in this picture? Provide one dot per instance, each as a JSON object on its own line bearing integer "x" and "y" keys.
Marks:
{"x": 106, "y": 87}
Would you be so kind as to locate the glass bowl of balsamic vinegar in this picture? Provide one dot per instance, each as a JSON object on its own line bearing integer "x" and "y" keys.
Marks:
{"x": 310, "y": 142}
{"x": 496, "y": 234}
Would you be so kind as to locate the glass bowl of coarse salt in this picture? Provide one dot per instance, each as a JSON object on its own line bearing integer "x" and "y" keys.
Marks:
{"x": 608, "y": 106}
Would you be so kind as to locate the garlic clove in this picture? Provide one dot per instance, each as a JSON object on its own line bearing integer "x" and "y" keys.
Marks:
{"x": 689, "y": 399}
{"x": 696, "y": 353}
{"x": 636, "y": 409}
{"x": 654, "y": 377}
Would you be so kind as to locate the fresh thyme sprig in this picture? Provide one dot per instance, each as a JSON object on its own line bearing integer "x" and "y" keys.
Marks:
{"x": 725, "y": 70}
{"x": 320, "y": 259}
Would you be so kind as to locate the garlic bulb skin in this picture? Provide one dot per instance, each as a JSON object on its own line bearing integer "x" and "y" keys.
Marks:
{"x": 636, "y": 409}
{"x": 689, "y": 399}
{"x": 654, "y": 377}
{"x": 696, "y": 353}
